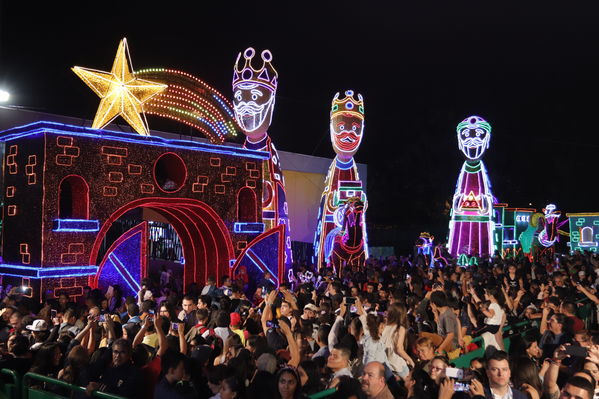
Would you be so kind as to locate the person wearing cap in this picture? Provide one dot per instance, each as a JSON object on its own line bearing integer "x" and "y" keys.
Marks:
{"x": 39, "y": 330}
{"x": 235, "y": 326}
{"x": 310, "y": 312}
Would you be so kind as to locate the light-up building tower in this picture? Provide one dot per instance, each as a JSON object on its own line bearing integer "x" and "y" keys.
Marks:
{"x": 471, "y": 225}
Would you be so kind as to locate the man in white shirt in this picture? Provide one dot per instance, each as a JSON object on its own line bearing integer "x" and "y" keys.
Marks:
{"x": 499, "y": 374}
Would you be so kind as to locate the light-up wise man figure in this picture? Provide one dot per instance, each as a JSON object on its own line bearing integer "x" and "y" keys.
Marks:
{"x": 471, "y": 225}
{"x": 253, "y": 102}
{"x": 342, "y": 181}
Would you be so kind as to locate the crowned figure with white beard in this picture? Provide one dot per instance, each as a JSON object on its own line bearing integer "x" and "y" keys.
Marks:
{"x": 253, "y": 102}
{"x": 342, "y": 182}
{"x": 471, "y": 226}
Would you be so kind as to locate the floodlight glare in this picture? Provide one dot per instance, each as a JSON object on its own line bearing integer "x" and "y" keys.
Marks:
{"x": 4, "y": 96}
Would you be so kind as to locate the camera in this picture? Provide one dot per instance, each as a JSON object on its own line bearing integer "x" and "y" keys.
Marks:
{"x": 350, "y": 300}
{"x": 52, "y": 313}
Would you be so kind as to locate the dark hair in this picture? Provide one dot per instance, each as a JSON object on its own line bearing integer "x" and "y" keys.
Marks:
{"x": 293, "y": 372}
{"x": 20, "y": 345}
{"x": 202, "y": 314}
{"x": 147, "y": 305}
{"x": 123, "y": 343}
{"x": 323, "y": 332}
{"x": 348, "y": 387}
{"x": 189, "y": 298}
{"x": 44, "y": 359}
{"x": 78, "y": 360}
{"x": 223, "y": 319}
{"x": 439, "y": 299}
{"x": 373, "y": 321}
{"x": 314, "y": 384}
{"x": 397, "y": 315}
{"x": 345, "y": 351}
{"x": 525, "y": 371}
{"x": 236, "y": 385}
{"x": 424, "y": 386}
{"x": 171, "y": 360}
{"x": 207, "y": 299}
{"x": 583, "y": 383}
{"x": 496, "y": 355}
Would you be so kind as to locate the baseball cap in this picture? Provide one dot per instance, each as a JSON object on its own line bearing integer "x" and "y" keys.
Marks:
{"x": 312, "y": 307}
{"x": 38, "y": 325}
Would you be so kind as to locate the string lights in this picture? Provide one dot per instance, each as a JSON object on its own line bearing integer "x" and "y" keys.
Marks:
{"x": 191, "y": 101}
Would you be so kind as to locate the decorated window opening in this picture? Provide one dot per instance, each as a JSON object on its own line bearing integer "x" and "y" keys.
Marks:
{"x": 247, "y": 210}
{"x": 73, "y": 198}
{"x": 586, "y": 234}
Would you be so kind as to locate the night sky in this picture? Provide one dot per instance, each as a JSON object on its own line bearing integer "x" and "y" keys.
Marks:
{"x": 530, "y": 70}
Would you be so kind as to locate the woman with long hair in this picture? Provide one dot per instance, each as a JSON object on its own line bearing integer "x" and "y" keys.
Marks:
{"x": 525, "y": 377}
{"x": 372, "y": 344}
{"x": 395, "y": 337}
{"x": 75, "y": 369}
{"x": 47, "y": 360}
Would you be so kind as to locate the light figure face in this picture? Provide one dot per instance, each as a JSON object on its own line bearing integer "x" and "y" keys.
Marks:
{"x": 474, "y": 134}
{"x": 346, "y": 134}
{"x": 253, "y": 105}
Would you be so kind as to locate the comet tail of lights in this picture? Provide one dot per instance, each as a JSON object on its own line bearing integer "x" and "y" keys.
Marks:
{"x": 189, "y": 100}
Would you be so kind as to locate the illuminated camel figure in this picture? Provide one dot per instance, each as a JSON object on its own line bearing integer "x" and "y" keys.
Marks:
{"x": 471, "y": 225}
{"x": 348, "y": 246}
{"x": 342, "y": 181}
{"x": 253, "y": 102}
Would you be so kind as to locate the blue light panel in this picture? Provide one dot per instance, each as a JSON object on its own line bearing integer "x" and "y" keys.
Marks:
{"x": 251, "y": 228}
{"x": 61, "y": 128}
{"x": 46, "y": 272}
{"x": 75, "y": 225}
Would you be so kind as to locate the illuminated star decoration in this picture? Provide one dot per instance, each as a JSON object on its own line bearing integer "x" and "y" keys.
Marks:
{"x": 121, "y": 92}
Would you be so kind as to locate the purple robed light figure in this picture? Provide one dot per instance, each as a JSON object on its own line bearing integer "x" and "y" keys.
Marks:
{"x": 471, "y": 226}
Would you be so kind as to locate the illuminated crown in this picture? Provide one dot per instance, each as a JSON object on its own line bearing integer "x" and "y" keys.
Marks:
{"x": 265, "y": 76}
{"x": 348, "y": 104}
{"x": 473, "y": 122}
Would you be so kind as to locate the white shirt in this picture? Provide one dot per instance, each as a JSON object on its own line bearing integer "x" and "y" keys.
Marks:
{"x": 508, "y": 394}
{"x": 496, "y": 319}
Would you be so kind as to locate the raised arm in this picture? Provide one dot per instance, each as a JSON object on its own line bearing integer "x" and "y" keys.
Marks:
{"x": 142, "y": 332}
{"x": 588, "y": 294}
{"x": 543, "y": 326}
{"x": 182, "y": 341}
{"x": 162, "y": 343}
{"x": 267, "y": 312}
{"x": 294, "y": 361}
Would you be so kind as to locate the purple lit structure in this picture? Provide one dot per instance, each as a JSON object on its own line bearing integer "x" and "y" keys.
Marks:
{"x": 471, "y": 225}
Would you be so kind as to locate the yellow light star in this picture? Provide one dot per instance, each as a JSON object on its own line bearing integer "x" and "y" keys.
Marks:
{"x": 121, "y": 92}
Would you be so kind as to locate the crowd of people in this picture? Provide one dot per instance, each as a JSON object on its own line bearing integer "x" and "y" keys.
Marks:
{"x": 391, "y": 330}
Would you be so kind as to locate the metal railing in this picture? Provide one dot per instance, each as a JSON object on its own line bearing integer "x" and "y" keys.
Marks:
{"x": 27, "y": 391}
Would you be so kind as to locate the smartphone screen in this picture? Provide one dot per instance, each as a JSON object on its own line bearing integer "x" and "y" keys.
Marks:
{"x": 461, "y": 387}
{"x": 175, "y": 326}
